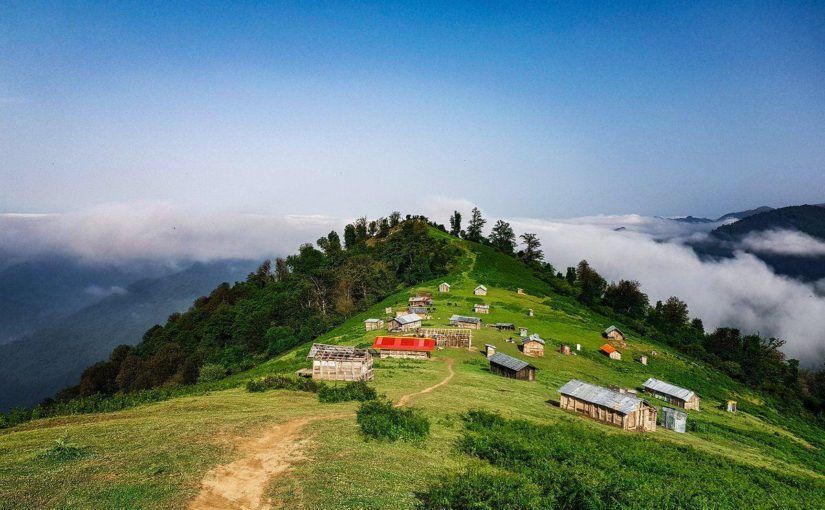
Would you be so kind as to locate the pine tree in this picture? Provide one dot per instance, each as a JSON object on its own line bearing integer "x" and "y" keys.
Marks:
{"x": 474, "y": 227}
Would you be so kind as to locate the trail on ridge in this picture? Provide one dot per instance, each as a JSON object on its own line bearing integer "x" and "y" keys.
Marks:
{"x": 406, "y": 398}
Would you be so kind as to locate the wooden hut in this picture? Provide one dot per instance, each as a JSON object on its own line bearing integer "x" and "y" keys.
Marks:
{"x": 489, "y": 350}
{"x": 565, "y": 349}
{"x": 514, "y": 368}
{"x": 422, "y": 311}
{"x": 340, "y": 363}
{"x": 674, "y": 395}
{"x": 420, "y": 301}
{"x": 614, "y": 333}
{"x": 371, "y": 324}
{"x": 404, "y": 347}
{"x": 481, "y": 290}
{"x": 463, "y": 321}
{"x": 504, "y": 326}
{"x": 406, "y": 322}
{"x": 448, "y": 337}
{"x": 444, "y": 287}
{"x": 610, "y": 351}
{"x": 603, "y": 404}
{"x": 481, "y": 309}
{"x": 533, "y": 346}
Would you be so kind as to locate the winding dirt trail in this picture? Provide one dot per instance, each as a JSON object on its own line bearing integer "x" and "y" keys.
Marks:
{"x": 242, "y": 484}
{"x": 406, "y": 398}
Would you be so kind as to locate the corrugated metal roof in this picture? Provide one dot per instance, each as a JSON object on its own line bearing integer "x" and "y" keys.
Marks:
{"x": 668, "y": 389}
{"x": 621, "y": 402}
{"x": 613, "y": 328}
{"x": 481, "y": 306}
{"x": 464, "y": 318}
{"x": 482, "y": 287}
{"x": 508, "y": 362}
{"x": 403, "y": 343}
{"x": 373, "y": 320}
{"x": 534, "y": 338}
{"x": 417, "y": 309}
{"x": 407, "y": 319}
{"x": 609, "y": 349}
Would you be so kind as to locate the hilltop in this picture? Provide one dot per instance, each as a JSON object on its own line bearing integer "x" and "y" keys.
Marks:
{"x": 489, "y": 437}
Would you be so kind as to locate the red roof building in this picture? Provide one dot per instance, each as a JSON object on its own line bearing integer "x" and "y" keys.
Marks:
{"x": 610, "y": 351}
{"x": 404, "y": 346}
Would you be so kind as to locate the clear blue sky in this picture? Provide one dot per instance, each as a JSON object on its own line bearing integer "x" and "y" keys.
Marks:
{"x": 348, "y": 108}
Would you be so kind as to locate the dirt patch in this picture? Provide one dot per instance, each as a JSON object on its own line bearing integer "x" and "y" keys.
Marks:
{"x": 406, "y": 398}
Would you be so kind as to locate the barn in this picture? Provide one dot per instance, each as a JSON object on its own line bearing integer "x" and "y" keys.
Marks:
{"x": 406, "y": 322}
{"x": 482, "y": 309}
{"x": 481, "y": 290}
{"x": 404, "y": 347}
{"x": 371, "y": 324}
{"x": 610, "y": 351}
{"x": 674, "y": 395}
{"x": 620, "y": 409}
{"x": 340, "y": 363}
{"x": 462, "y": 321}
{"x": 444, "y": 287}
{"x": 514, "y": 368}
{"x": 533, "y": 346}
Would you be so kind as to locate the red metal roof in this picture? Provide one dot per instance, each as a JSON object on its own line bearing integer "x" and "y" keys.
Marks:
{"x": 607, "y": 348}
{"x": 404, "y": 343}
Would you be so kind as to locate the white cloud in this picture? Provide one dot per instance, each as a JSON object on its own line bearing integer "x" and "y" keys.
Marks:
{"x": 784, "y": 242}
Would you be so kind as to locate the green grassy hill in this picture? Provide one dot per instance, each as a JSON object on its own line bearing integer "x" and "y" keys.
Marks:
{"x": 157, "y": 455}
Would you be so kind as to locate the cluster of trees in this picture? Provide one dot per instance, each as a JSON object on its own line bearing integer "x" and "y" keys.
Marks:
{"x": 278, "y": 306}
{"x": 752, "y": 359}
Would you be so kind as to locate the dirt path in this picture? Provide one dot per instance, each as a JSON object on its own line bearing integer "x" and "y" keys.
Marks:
{"x": 242, "y": 484}
{"x": 406, "y": 398}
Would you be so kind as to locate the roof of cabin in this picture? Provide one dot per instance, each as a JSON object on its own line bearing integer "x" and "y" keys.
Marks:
{"x": 534, "y": 338}
{"x": 404, "y": 343}
{"x": 373, "y": 320}
{"x": 622, "y": 402}
{"x": 609, "y": 349}
{"x": 668, "y": 389}
{"x": 326, "y": 352}
{"x": 509, "y": 362}
{"x": 407, "y": 318}
{"x": 482, "y": 287}
{"x": 444, "y": 283}
{"x": 417, "y": 309}
{"x": 611, "y": 329}
{"x": 464, "y": 318}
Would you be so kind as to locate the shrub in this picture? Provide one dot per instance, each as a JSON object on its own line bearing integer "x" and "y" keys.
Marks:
{"x": 282, "y": 382}
{"x": 380, "y": 420}
{"x": 358, "y": 390}
{"x": 62, "y": 450}
{"x": 477, "y": 490}
{"x": 211, "y": 372}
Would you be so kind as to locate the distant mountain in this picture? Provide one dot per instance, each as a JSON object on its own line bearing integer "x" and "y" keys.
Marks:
{"x": 725, "y": 240}
{"x": 53, "y": 357}
{"x": 744, "y": 214}
{"x": 692, "y": 219}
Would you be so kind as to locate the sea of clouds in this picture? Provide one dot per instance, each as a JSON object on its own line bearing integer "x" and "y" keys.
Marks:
{"x": 741, "y": 291}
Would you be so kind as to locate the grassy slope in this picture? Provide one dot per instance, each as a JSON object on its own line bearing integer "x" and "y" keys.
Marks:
{"x": 154, "y": 456}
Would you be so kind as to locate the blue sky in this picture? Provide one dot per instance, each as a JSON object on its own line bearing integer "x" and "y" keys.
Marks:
{"x": 341, "y": 108}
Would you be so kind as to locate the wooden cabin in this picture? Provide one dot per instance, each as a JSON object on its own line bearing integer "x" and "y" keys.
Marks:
{"x": 463, "y": 321}
{"x": 565, "y": 350}
{"x": 615, "y": 334}
{"x": 422, "y": 311}
{"x": 444, "y": 287}
{"x": 371, "y": 324}
{"x": 514, "y": 368}
{"x": 504, "y": 326}
{"x": 421, "y": 300}
{"x": 680, "y": 397}
{"x": 404, "y": 347}
{"x": 481, "y": 290}
{"x": 533, "y": 346}
{"x": 406, "y": 322}
{"x": 489, "y": 350}
{"x": 340, "y": 363}
{"x": 481, "y": 309}
{"x": 448, "y": 337}
{"x": 610, "y": 351}
{"x": 623, "y": 410}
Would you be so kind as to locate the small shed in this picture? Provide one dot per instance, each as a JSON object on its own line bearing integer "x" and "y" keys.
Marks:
{"x": 489, "y": 350}
{"x": 371, "y": 324}
{"x": 388, "y": 310}
{"x": 730, "y": 406}
{"x": 530, "y": 312}
{"x": 675, "y": 395}
{"x": 406, "y": 322}
{"x": 514, "y": 368}
{"x": 504, "y": 326}
{"x": 610, "y": 351}
{"x": 422, "y": 311}
{"x": 444, "y": 287}
{"x": 340, "y": 363}
{"x": 481, "y": 309}
{"x": 565, "y": 349}
{"x": 643, "y": 359}
{"x": 533, "y": 346}
{"x": 481, "y": 290}
{"x": 578, "y": 347}
{"x": 674, "y": 419}
{"x": 463, "y": 321}
{"x": 603, "y": 404}
{"x": 614, "y": 333}
{"x": 522, "y": 332}
{"x": 520, "y": 291}
{"x": 404, "y": 347}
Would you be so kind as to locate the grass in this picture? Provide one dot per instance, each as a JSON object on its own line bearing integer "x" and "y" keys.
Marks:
{"x": 154, "y": 455}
